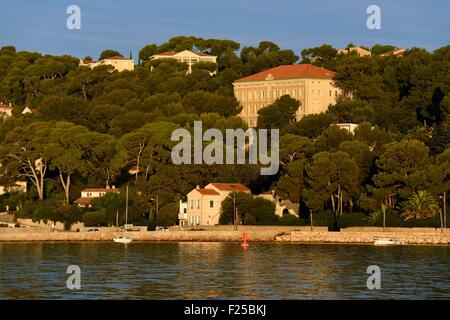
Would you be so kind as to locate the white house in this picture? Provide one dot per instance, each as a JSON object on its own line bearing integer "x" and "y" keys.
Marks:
{"x": 5, "y": 110}
{"x": 118, "y": 62}
{"x": 204, "y": 204}
{"x": 88, "y": 194}
{"x": 350, "y": 127}
{"x": 17, "y": 187}
{"x": 182, "y": 214}
{"x": 186, "y": 56}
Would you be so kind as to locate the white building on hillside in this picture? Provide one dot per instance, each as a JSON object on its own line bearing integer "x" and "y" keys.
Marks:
{"x": 5, "y": 110}
{"x": 204, "y": 204}
{"x": 88, "y": 194}
{"x": 118, "y": 62}
{"x": 186, "y": 56}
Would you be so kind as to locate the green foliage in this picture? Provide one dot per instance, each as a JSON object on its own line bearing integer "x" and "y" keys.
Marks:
{"x": 92, "y": 124}
{"x": 167, "y": 215}
{"x": 108, "y": 54}
{"x": 109, "y": 205}
{"x": 311, "y": 125}
{"x": 251, "y": 210}
{"x": 95, "y": 218}
{"x": 353, "y": 219}
{"x": 291, "y": 220}
{"x": 279, "y": 114}
{"x": 379, "y": 49}
{"x": 420, "y": 205}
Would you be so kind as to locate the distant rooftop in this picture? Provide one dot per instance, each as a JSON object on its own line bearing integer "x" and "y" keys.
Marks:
{"x": 296, "y": 71}
{"x": 172, "y": 53}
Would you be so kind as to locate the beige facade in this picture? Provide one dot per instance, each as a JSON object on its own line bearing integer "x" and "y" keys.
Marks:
{"x": 118, "y": 62}
{"x": 17, "y": 187}
{"x": 313, "y": 86}
{"x": 359, "y": 51}
{"x": 399, "y": 52}
{"x": 204, "y": 205}
{"x": 186, "y": 56}
{"x": 282, "y": 206}
{"x": 5, "y": 110}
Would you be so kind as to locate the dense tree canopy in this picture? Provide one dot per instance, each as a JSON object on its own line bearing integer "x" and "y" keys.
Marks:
{"x": 93, "y": 125}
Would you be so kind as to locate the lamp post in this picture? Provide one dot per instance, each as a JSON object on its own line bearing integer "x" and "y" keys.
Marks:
{"x": 235, "y": 212}
{"x": 445, "y": 211}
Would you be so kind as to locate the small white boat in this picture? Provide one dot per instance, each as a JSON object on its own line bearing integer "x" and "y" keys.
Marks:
{"x": 384, "y": 242}
{"x": 122, "y": 239}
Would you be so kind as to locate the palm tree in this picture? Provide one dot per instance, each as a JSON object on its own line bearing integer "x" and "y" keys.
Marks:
{"x": 421, "y": 205}
{"x": 373, "y": 218}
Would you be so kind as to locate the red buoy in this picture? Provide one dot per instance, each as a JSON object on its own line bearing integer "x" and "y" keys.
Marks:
{"x": 244, "y": 243}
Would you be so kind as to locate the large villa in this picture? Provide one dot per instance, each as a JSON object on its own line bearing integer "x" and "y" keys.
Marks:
{"x": 313, "y": 86}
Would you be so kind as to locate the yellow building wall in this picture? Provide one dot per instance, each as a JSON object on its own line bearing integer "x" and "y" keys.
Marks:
{"x": 315, "y": 96}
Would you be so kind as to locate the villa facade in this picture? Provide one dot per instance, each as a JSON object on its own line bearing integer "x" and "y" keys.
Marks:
{"x": 358, "y": 50}
{"x": 313, "y": 86}
{"x": 118, "y": 62}
{"x": 186, "y": 56}
{"x": 5, "y": 110}
{"x": 17, "y": 187}
{"x": 88, "y": 194}
{"x": 204, "y": 204}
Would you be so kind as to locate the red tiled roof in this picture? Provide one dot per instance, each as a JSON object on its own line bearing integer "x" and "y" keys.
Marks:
{"x": 296, "y": 71}
{"x": 116, "y": 58}
{"x": 207, "y": 192}
{"x": 230, "y": 186}
{"x": 167, "y": 53}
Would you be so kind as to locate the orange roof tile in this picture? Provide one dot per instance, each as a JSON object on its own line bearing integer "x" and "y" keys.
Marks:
{"x": 296, "y": 71}
{"x": 116, "y": 58}
{"x": 167, "y": 53}
{"x": 207, "y": 192}
{"x": 230, "y": 186}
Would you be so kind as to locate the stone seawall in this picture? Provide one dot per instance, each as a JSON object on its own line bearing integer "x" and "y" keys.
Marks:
{"x": 425, "y": 238}
{"x": 175, "y": 236}
{"x": 416, "y": 237}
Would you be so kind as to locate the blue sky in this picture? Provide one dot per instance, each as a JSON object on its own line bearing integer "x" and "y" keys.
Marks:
{"x": 127, "y": 25}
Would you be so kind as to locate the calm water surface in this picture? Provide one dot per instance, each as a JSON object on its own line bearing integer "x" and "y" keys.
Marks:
{"x": 221, "y": 271}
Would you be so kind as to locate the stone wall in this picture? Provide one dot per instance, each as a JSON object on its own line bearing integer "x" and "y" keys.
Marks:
{"x": 244, "y": 228}
{"x": 47, "y": 225}
{"x": 419, "y": 237}
{"x": 176, "y": 236}
{"x": 416, "y": 237}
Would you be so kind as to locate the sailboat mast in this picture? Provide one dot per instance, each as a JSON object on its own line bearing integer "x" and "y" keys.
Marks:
{"x": 126, "y": 207}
